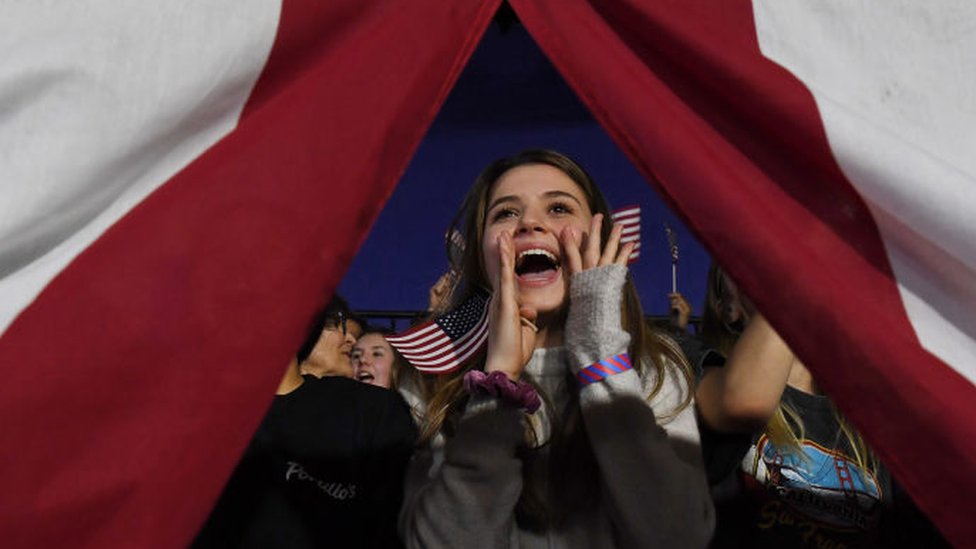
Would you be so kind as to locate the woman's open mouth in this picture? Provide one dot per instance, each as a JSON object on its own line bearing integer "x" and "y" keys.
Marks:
{"x": 536, "y": 267}
{"x": 365, "y": 377}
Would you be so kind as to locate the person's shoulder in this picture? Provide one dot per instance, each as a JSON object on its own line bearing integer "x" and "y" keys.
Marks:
{"x": 369, "y": 403}
{"x": 364, "y": 396}
{"x": 373, "y": 397}
{"x": 388, "y": 414}
{"x": 345, "y": 389}
{"x": 332, "y": 383}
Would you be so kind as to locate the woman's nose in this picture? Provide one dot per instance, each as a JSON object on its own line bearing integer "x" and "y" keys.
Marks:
{"x": 530, "y": 222}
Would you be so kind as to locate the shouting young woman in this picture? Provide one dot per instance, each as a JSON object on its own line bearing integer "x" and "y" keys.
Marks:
{"x": 575, "y": 427}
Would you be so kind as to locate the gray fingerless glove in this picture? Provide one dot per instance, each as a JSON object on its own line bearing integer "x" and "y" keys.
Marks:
{"x": 593, "y": 329}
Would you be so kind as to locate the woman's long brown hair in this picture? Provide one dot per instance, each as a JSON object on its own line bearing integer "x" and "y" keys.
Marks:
{"x": 444, "y": 394}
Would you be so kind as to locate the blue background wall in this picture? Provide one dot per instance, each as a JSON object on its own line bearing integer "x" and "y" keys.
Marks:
{"x": 508, "y": 98}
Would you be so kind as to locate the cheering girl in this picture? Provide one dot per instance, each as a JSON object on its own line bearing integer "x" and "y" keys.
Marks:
{"x": 575, "y": 427}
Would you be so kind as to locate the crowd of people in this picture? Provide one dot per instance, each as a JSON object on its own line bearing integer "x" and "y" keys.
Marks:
{"x": 578, "y": 425}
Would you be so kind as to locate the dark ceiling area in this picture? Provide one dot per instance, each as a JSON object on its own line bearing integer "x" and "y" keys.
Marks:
{"x": 509, "y": 97}
{"x": 509, "y": 83}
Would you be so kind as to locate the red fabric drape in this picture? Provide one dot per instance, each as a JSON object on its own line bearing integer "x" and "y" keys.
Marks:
{"x": 134, "y": 381}
{"x": 196, "y": 299}
{"x": 736, "y": 145}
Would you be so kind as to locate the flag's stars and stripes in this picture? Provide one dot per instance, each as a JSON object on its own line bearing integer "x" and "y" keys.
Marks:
{"x": 672, "y": 242}
{"x": 441, "y": 345}
{"x": 455, "y": 248}
{"x": 629, "y": 217}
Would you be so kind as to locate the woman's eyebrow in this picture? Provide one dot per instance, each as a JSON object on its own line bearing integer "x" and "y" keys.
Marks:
{"x": 501, "y": 199}
{"x": 562, "y": 194}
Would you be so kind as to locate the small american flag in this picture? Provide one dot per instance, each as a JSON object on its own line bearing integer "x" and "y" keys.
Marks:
{"x": 455, "y": 248}
{"x": 672, "y": 242}
{"x": 444, "y": 343}
{"x": 629, "y": 217}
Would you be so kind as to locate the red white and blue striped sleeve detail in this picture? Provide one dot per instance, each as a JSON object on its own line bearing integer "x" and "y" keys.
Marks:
{"x": 604, "y": 369}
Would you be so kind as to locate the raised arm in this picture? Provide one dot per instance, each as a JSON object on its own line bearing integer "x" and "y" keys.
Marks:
{"x": 742, "y": 395}
{"x": 463, "y": 492}
{"x": 651, "y": 472}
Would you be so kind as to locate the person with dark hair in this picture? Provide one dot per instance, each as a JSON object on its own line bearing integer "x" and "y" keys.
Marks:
{"x": 326, "y": 466}
{"x": 327, "y": 348}
{"x": 727, "y": 311}
{"x": 575, "y": 426}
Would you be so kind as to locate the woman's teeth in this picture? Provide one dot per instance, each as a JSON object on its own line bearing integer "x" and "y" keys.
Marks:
{"x": 535, "y": 260}
{"x": 537, "y": 251}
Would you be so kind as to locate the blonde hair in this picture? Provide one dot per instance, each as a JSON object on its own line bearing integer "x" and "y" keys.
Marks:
{"x": 786, "y": 429}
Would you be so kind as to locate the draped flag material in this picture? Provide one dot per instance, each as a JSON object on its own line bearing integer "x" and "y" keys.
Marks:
{"x": 823, "y": 153}
{"x": 184, "y": 183}
{"x": 187, "y": 182}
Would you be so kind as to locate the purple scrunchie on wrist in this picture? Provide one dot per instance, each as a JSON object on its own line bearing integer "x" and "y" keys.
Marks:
{"x": 497, "y": 384}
